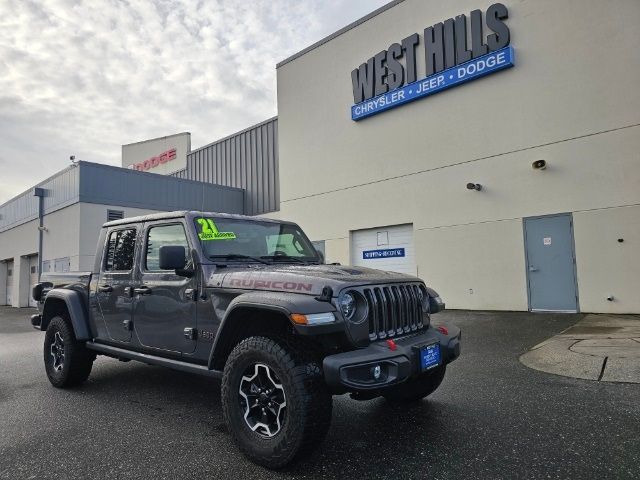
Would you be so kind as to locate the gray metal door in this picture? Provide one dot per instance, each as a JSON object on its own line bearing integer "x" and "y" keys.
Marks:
{"x": 551, "y": 276}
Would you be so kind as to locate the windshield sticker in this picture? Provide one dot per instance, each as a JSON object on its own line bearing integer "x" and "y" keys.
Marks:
{"x": 209, "y": 231}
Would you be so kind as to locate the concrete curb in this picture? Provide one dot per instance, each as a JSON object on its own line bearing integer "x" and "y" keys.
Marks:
{"x": 598, "y": 348}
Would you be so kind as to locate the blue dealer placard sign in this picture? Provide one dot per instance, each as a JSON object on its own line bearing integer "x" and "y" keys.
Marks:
{"x": 465, "y": 72}
{"x": 384, "y": 253}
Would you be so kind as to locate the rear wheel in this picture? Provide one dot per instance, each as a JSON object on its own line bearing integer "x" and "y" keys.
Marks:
{"x": 274, "y": 401}
{"x": 416, "y": 388}
{"x": 66, "y": 360}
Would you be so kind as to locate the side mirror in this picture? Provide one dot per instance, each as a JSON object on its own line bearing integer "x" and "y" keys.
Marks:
{"x": 321, "y": 256}
{"x": 172, "y": 257}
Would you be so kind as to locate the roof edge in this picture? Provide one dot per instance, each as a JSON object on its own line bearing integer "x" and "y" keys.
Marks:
{"x": 240, "y": 132}
{"x": 157, "y": 138}
{"x": 328, "y": 38}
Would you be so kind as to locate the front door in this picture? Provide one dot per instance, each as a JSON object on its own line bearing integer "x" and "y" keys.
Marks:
{"x": 551, "y": 276}
{"x": 165, "y": 303}
{"x": 113, "y": 290}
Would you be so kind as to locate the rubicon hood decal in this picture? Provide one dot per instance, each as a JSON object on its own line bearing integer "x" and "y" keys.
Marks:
{"x": 305, "y": 279}
{"x": 270, "y": 285}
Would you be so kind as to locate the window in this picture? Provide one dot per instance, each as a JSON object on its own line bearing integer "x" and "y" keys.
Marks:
{"x": 159, "y": 236}
{"x": 114, "y": 215}
{"x": 227, "y": 236}
{"x": 319, "y": 246}
{"x": 62, "y": 264}
{"x": 120, "y": 248}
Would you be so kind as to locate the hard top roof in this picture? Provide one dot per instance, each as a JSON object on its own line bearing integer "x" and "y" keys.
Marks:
{"x": 188, "y": 214}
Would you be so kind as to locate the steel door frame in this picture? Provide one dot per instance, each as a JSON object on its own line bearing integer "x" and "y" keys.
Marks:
{"x": 526, "y": 260}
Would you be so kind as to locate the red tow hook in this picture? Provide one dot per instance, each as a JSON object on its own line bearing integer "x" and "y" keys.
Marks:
{"x": 443, "y": 330}
{"x": 392, "y": 345}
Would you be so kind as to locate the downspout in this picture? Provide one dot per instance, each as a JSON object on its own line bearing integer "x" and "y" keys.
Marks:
{"x": 39, "y": 192}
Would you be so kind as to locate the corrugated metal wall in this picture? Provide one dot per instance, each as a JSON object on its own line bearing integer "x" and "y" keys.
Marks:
{"x": 247, "y": 160}
{"x": 61, "y": 190}
{"x": 107, "y": 185}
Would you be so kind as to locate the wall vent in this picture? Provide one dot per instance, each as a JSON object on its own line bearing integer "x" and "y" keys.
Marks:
{"x": 114, "y": 215}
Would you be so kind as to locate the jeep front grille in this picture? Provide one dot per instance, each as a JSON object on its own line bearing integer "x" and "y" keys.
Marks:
{"x": 393, "y": 310}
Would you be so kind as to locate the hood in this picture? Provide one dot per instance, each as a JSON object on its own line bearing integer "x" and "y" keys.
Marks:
{"x": 309, "y": 279}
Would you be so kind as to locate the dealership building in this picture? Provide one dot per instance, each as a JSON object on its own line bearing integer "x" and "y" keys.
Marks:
{"x": 491, "y": 149}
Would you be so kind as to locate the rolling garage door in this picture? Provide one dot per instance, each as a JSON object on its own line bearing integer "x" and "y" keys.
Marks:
{"x": 9, "y": 282}
{"x": 385, "y": 248}
{"x": 33, "y": 277}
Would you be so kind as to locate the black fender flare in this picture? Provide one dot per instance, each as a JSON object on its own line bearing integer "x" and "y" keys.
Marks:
{"x": 75, "y": 307}
{"x": 283, "y": 303}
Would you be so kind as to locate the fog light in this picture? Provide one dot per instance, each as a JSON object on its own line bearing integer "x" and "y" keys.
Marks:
{"x": 376, "y": 372}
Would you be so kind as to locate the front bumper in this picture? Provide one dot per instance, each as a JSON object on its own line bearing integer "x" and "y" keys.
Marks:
{"x": 354, "y": 370}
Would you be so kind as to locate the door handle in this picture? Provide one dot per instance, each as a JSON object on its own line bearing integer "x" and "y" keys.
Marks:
{"x": 191, "y": 294}
{"x": 105, "y": 288}
{"x": 143, "y": 290}
{"x": 532, "y": 268}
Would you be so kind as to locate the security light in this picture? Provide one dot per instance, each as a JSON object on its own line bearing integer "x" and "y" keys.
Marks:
{"x": 474, "y": 186}
{"x": 539, "y": 165}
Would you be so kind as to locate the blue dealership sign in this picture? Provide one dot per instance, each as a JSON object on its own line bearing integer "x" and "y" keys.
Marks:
{"x": 465, "y": 72}
{"x": 384, "y": 253}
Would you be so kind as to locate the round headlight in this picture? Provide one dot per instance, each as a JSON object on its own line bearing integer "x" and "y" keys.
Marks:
{"x": 347, "y": 305}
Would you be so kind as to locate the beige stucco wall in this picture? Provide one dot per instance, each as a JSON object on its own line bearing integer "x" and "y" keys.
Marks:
{"x": 92, "y": 217}
{"x": 70, "y": 232}
{"x": 60, "y": 239}
{"x": 571, "y": 99}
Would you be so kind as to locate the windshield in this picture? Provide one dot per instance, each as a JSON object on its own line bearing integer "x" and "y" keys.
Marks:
{"x": 227, "y": 237}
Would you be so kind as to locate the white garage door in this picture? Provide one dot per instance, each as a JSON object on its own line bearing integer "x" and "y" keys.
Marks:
{"x": 9, "y": 282}
{"x": 385, "y": 248}
{"x": 33, "y": 277}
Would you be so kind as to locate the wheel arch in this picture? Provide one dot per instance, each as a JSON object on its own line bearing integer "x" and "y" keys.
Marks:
{"x": 68, "y": 304}
{"x": 245, "y": 320}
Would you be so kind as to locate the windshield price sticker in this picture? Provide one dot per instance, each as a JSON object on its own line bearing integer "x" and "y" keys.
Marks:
{"x": 209, "y": 231}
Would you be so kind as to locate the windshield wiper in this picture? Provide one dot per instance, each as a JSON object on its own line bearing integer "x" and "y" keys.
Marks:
{"x": 239, "y": 256}
{"x": 284, "y": 257}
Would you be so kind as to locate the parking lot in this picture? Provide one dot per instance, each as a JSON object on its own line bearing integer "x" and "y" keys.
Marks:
{"x": 491, "y": 418}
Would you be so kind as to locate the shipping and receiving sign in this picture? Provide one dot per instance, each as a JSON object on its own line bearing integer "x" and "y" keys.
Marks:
{"x": 383, "y": 253}
{"x": 389, "y": 78}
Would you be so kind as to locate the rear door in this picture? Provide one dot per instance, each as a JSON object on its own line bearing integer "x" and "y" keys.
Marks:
{"x": 551, "y": 276}
{"x": 114, "y": 288}
{"x": 165, "y": 303}
{"x": 33, "y": 278}
{"x": 9, "y": 281}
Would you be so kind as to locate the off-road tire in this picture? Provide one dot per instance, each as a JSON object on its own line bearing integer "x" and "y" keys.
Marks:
{"x": 308, "y": 403}
{"x": 78, "y": 361}
{"x": 416, "y": 388}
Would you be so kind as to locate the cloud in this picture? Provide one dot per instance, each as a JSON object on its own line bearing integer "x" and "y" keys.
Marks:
{"x": 83, "y": 78}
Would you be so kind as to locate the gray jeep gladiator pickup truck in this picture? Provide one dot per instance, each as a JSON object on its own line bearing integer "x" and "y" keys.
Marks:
{"x": 251, "y": 302}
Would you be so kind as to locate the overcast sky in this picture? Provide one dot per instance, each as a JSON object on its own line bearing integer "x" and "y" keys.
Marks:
{"x": 84, "y": 77}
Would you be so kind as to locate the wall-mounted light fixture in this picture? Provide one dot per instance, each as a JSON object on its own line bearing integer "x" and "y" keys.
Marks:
{"x": 474, "y": 186}
{"x": 539, "y": 165}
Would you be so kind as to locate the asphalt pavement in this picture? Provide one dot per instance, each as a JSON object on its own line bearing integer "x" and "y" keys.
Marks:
{"x": 491, "y": 418}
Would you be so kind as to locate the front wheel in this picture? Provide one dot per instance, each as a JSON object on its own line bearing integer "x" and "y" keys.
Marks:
{"x": 66, "y": 360}
{"x": 274, "y": 400}
{"x": 416, "y": 388}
